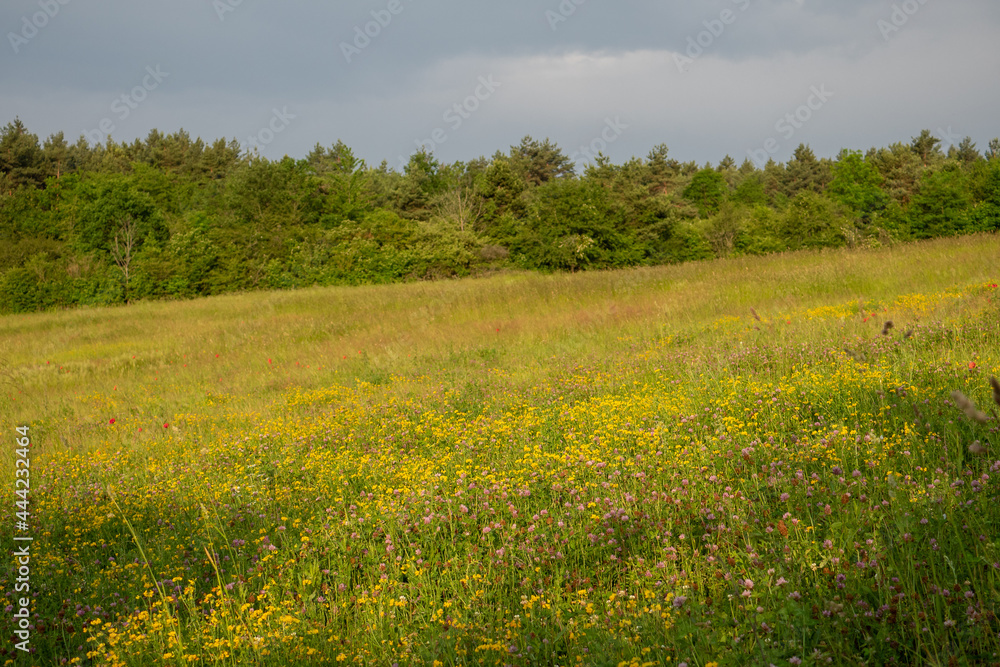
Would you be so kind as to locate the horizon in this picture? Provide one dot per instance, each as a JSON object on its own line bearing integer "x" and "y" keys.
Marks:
{"x": 245, "y": 150}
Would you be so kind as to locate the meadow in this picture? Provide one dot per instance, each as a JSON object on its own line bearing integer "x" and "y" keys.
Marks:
{"x": 733, "y": 462}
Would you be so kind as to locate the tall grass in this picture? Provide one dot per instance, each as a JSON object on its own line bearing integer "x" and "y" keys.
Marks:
{"x": 733, "y": 461}
{"x": 422, "y": 328}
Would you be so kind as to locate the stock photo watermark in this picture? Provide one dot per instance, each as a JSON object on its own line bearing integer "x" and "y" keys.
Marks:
{"x": 456, "y": 115}
{"x": 22, "y": 555}
{"x": 790, "y": 123}
{"x": 562, "y": 13}
{"x": 698, "y": 44}
{"x": 899, "y": 17}
{"x": 37, "y": 21}
{"x": 948, "y": 138}
{"x": 364, "y": 34}
{"x": 280, "y": 120}
{"x": 223, "y": 7}
{"x": 123, "y": 106}
{"x": 609, "y": 135}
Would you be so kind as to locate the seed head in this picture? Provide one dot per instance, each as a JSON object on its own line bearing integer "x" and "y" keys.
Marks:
{"x": 968, "y": 407}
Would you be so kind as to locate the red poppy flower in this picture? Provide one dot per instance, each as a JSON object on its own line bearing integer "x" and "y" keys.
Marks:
{"x": 111, "y": 421}
{"x": 166, "y": 425}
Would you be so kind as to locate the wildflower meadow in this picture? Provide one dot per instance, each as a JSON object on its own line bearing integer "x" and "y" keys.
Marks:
{"x": 780, "y": 460}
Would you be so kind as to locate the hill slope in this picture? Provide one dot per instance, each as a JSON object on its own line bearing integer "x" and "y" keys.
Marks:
{"x": 734, "y": 461}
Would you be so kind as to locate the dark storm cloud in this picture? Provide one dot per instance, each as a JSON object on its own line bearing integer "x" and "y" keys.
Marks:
{"x": 707, "y": 78}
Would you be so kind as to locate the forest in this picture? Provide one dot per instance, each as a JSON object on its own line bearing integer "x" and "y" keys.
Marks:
{"x": 173, "y": 217}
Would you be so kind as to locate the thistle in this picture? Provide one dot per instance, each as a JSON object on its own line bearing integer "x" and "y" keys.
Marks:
{"x": 968, "y": 407}
{"x": 886, "y": 327}
{"x": 996, "y": 390}
{"x": 976, "y": 448}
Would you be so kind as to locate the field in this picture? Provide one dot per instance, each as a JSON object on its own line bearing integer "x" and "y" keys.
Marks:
{"x": 732, "y": 462}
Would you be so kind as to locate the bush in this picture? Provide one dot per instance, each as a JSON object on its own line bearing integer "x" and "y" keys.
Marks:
{"x": 811, "y": 221}
{"x": 19, "y": 291}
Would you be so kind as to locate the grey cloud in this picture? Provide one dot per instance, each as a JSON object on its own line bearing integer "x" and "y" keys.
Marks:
{"x": 228, "y": 74}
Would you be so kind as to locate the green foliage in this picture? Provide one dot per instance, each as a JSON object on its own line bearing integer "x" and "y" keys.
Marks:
{"x": 19, "y": 291}
{"x": 811, "y": 221}
{"x": 159, "y": 273}
{"x": 687, "y": 242}
{"x": 745, "y": 230}
{"x": 660, "y": 170}
{"x": 29, "y": 226}
{"x": 804, "y": 172}
{"x": 750, "y": 190}
{"x": 984, "y": 187}
{"x": 900, "y": 168}
{"x": 499, "y": 189}
{"x": 423, "y": 183}
{"x": 209, "y": 218}
{"x": 706, "y": 190}
{"x": 926, "y": 147}
{"x": 761, "y": 231}
{"x": 940, "y": 207}
{"x": 573, "y": 224}
{"x": 965, "y": 152}
{"x": 22, "y": 161}
{"x": 106, "y": 201}
{"x": 267, "y": 196}
{"x": 857, "y": 185}
{"x": 724, "y": 228}
{"x": 538, "y": 162}
{"x": 345, "y": 185}
{"x": 383, "y": 247}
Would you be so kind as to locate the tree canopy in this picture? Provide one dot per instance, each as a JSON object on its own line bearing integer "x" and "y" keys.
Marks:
{"x": 173, "y": 216}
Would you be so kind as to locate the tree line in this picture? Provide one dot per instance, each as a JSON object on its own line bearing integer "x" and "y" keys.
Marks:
{"x": 175, "y": 217}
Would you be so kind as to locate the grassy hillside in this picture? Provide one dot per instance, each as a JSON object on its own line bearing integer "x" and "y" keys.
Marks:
{"x": 725, "y": 461}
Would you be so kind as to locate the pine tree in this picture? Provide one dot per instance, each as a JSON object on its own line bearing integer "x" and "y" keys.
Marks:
{"x": 926, "y": 147}
{"x": 21, "y": 158}
{"x": 539, "y": 162}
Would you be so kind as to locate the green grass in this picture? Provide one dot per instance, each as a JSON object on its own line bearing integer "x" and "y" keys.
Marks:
{"x": 333, "y": 423}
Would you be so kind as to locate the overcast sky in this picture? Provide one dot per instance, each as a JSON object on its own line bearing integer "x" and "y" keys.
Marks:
{"x": 738, "y": 77}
